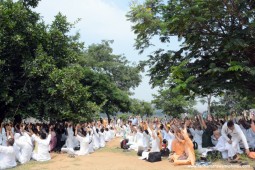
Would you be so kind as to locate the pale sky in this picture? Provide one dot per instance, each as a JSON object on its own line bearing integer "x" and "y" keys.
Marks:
{"x": 106, "y": 20}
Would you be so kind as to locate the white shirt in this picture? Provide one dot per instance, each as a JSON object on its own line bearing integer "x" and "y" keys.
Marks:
{"x": 107, "y": 136}
{"x": 101, "y": 140}
{"x": 197, "y": 135}
{"x": 237, "y": 134}
{"x": 146, "y": 140}
{"x": 70, "y": 142}
{"x": 4, "y": 137}
{"x": 96, "y": 139}
{"x": 43, "y": 148}
{"x": 25, "y": 153}
{"x": 7, "y": 157}
{"x": 84, "y": 145}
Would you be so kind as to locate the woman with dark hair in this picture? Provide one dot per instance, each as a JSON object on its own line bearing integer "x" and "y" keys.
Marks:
{"x": 83, "y": 138}
{"x": 43, "y": 142}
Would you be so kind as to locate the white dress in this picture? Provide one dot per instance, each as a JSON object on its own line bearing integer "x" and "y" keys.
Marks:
{"x": 70, "y": 138}
{"x": 7, "y": 157}
{"x": 96, "y": 139}
{"x": 4, "y": 137}
{"x": 26, "y": 149}
{"x": 101, "y": 140}
{"x": 107, "y": 136}
{"x": 84, "y": 145}
{"x": 43, "y": 148}
{"x": 91, "y": 143}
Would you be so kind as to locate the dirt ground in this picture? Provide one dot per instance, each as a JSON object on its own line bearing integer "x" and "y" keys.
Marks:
{"x": 113, "y": 158}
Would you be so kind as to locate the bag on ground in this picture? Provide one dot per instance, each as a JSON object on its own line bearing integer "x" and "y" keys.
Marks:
{"x": 154, "y": 157}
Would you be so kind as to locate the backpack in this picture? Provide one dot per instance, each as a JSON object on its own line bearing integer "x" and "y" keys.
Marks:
{"x": 165, "y": 152}
{"x": 154, "y": 157}
{"x": 123, "y": 144}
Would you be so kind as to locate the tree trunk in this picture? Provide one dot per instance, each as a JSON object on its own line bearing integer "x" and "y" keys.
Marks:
{"x": 209, "y": 104}
{"x": 109, "y": 118}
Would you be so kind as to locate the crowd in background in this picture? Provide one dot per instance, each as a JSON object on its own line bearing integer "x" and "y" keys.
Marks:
{"x": 179, "y": 138}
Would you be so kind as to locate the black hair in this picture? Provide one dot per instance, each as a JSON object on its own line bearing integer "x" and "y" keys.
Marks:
{"x": 164, "y": 141}
{"x": 43, "y": 135}
{"x": 10, "y": 141}
{"x": 146, "y": 131}
{"x": 230, "y": 123}
{"x": 84, "y": 132}
{"x": 161, "y": 127}
{"x": 97, "y": 130}
{"x": 102, "y": 130}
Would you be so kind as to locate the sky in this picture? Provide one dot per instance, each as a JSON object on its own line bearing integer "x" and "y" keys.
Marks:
{"x": 106, "y": 20}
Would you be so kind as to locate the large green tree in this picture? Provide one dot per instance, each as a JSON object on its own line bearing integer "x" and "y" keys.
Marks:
{"x": 217, "y": 39}
{"x": 119, "y": 70}
{"x": 39, "y": 72}
{"x": 113, "y": 77}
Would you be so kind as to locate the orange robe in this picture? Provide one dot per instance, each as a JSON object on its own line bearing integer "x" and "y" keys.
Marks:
{"x": 186, "y": 148}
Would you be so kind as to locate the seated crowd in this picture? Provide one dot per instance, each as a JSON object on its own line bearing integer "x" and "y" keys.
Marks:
{"x": 26, "y": 141}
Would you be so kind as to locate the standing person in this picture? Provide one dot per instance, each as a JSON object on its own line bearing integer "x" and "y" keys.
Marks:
{"x": 7, "y": 155}
{"x": 233, "y": 135}
{"x": 43, "y": 143}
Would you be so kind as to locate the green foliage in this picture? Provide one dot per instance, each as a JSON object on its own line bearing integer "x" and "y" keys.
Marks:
{"x": 110, "y": 79}
{"x": 141, "y": 108}
{"x": 123, "y": 117}
{"x": 118, "y": 69}
{"x": 217, "y": 51}
{"x": 173, "y": 103}
{"x": 46, "y": 73}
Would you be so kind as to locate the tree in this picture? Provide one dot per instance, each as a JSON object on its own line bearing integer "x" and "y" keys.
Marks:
{"x": 40, "y": 75}
{"x": 113, "y": 77}
{"x": 218, "y": 44}
{"x": 141, "y": 108}
{"x": 173, "y": 103}
{"x": 118, "y": 69}
{"x": 105, "y": 93}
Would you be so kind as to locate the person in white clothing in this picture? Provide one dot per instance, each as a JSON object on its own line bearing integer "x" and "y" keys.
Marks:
{"x": 43, "y": 143}
{"x": 3, "y": 134}
{"x": 7, "y": 155}
{"x": 101, "y": 138}
{"x": 96, "y": 139}
{"x": 83, "y": 138}
{"x": 155, "y": 142}
{"x": 233, "y": 135}
{"x": 24, "y": 143}
{"x": 107, "y": 135}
